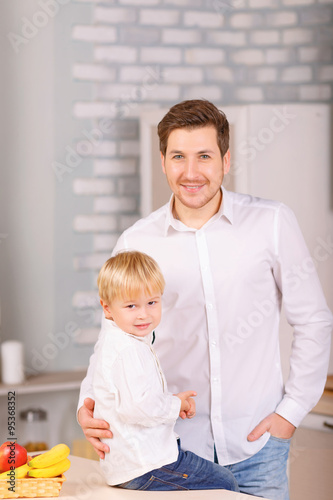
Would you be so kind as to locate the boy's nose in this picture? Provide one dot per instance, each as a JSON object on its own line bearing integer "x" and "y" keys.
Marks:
{"x": 142, "y": 313}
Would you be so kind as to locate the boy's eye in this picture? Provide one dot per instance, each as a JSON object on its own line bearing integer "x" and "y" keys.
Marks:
{"x": 131, "y": 306}
{"x": 152, "y": 302}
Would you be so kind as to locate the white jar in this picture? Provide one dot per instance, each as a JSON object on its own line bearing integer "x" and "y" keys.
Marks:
{"x": 12, "y": 362}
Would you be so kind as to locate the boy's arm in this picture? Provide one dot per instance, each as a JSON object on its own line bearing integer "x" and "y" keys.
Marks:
{"x": 142, "y": 400}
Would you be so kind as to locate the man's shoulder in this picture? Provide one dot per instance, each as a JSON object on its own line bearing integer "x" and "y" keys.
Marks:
{"x": 155, "y": 220}
{"x": 249, "y": 201}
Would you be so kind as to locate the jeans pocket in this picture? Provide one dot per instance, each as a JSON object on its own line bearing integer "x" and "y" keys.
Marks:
{"x": 139, "y": 483}
{"x": 173, "y": 472}
{"x": 280, "y": 440}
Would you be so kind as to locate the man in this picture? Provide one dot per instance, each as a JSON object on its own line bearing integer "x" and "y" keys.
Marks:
{"x": 228, "y": 261}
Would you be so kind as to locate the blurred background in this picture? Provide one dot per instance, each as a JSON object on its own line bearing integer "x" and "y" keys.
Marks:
{"x": 83, "y": 85}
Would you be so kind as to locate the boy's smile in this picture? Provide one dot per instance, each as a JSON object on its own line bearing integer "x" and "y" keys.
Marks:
{"x": 138, "y": 316}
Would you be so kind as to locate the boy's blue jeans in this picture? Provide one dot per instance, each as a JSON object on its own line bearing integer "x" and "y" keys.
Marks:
{"x": 189, "y": 472}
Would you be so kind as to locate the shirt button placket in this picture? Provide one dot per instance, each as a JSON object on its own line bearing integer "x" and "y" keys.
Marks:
{"x": 213, "y": 336}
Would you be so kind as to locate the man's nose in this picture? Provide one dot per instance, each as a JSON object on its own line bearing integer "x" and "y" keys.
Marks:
{"x": 191, "y": 168}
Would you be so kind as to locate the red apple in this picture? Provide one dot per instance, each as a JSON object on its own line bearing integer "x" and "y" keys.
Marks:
{"x": 12, "y": 455}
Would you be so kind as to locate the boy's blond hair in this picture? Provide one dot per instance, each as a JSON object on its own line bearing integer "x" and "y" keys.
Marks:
{"x": 129, "y": 274}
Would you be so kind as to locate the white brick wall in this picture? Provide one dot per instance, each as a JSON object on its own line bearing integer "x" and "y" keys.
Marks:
{"x": 158, "y": 55}
{"x": 282, "y": 18}
{"x": 246, "y": 20}
{"x": 202, "y": 19}
{"x": 315, "y": 92}
{"x": 232, "y": 38}
{"x": 112, "y": 204}
{"x": 159, "y": 17}
{"x": 297, "y": 36}
{"x": 105, "y": 242}
{"x": 147, "y": 54}
{"x": 93, "y": 223}
{"x": 176, "y": 74}
{"x": 93, "y": 72}
{"x": 204, "y": 56}
{"x": 298, "y": 2}
{"x": 326, "y": 73}
{"x": 94, "y": 34}
{"x": 114, "y": 167}
{"x": 265, "y": 75}
{"x": 297, "y": 74}
{"x": 89, "y": 186}
{"x": 259, "y": 4}
{"x": 250, "y": 94}
{"x": 114, "y": 15}
{"x": 248, "y": 57}
{"x": 265, "y": 37}
{"x": 221, "y": 74}
{"x": 210, "y": 92}
{"x": 181, "y": 37}
{"x": 117, "y": 53}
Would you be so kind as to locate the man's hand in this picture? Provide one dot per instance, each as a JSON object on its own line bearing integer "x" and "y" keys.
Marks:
{"x": 276, "y": 425}
{"x": 93, "y": 428}
{"x": 187, "y": 407}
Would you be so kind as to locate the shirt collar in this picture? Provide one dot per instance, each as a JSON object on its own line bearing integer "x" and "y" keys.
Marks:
{"x": 225, "y": 210}
{"x": 114, "y": 328}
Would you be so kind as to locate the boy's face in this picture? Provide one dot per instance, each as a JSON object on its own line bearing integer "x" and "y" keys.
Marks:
{"x": 136, "y": 316}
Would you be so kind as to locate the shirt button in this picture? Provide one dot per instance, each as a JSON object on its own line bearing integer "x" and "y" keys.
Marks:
{"x": 215, "y": 379}
{"x": 209, "y": 306}
{"x": 214, "y": 343}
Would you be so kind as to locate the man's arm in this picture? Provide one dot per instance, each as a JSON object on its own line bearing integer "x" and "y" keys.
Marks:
{"x": 307, "y": 312}
{"x": 93, "y": 428}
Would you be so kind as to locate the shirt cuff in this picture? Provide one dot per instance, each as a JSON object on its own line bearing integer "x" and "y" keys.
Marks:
{"x": 291, "y": 411}
{"x": 174, "y": 408}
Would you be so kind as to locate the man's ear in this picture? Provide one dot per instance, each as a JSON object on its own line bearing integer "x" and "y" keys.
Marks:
{"x": 106, "y": 309}
{"x": 226, "y": 162}
{"x": 163, "y": 161}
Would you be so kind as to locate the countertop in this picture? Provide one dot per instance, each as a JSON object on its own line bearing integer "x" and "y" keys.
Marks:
{"x": 85, "y": 481}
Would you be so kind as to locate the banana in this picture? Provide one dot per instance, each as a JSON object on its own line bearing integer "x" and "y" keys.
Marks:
{"x": 52, "y": 471}
{"x": 51, "y": 457}
{"x": 20, "y": 472}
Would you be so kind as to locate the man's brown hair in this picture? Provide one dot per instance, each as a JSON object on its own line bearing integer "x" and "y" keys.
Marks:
{"x": 193, "y": 114}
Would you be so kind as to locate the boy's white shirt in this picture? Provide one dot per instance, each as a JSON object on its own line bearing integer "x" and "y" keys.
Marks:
{"x": 130, "y": 391}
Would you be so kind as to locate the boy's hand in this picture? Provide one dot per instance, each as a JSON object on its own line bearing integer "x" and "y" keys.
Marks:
{"x": 187, "y": 407}
{"x": 93, "y": 428}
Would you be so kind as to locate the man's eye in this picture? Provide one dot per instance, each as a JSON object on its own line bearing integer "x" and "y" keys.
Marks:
{"x": 177, "y": 157}
{"x": 205, "y": 156}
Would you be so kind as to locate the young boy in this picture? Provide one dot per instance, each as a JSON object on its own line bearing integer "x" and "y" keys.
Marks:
{"x": 131, "y": 392}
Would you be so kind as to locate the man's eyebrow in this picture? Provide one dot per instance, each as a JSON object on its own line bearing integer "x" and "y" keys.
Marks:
{"x": 175, "y": 151}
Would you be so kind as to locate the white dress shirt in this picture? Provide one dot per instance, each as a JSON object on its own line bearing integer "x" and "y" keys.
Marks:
{"x": 130, "y": 391}
{"x": 219, "y": 333}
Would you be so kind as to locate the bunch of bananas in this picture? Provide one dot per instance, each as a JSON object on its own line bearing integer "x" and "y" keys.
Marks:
{"x": 52, "y": 463}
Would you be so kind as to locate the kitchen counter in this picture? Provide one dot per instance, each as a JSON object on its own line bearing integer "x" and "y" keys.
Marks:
{"x": 85, "y": 481}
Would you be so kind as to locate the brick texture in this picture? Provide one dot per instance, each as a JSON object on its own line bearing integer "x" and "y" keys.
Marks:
{"x": 149, "y": 54}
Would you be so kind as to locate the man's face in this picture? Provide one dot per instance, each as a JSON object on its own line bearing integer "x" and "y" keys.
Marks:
{"x": 194, "y": 167}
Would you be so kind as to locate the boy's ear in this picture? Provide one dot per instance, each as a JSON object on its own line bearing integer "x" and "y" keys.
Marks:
{"x": 106, "y": 309}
